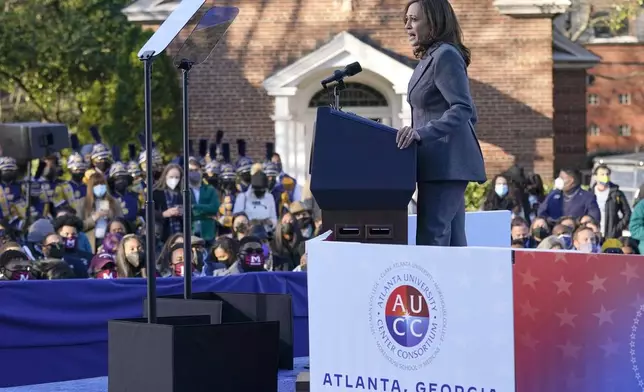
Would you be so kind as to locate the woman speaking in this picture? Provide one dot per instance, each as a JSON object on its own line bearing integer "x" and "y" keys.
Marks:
{"x": 443, "y": 118}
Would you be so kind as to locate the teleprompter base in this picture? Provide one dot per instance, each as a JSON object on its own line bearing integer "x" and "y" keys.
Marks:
{"x": 188, "y": 354}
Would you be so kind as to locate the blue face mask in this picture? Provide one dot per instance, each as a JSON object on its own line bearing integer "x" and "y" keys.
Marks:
{"x": 501, "y": 190}
{"x": 567, "y": 241}
{"x": 99, "y": 190}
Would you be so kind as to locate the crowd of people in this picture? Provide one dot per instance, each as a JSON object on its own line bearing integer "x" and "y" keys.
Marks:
{"x": 246, "y": 216}
{"x": 596, "y": 220}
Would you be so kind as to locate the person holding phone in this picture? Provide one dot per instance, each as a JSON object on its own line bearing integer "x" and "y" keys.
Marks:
{"x": 168, "y": 201}
{"x": 98, "y": 210}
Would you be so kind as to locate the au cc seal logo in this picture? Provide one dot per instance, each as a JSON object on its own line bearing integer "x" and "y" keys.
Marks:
{"x": 407, "y": 316}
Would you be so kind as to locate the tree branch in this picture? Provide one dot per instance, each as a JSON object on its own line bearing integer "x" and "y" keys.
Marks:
{"x": 32, "y": 99}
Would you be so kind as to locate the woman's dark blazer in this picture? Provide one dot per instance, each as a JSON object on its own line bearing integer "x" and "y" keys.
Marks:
{"x": 444, "y": 115}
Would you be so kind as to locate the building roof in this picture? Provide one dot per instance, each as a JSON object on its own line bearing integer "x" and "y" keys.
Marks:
{"x": 569, "y": 54}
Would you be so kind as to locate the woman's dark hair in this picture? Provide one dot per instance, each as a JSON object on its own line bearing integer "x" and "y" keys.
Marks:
{"x": 492, "y": 201}
{"x": 50, "y": 269}
{"x": 124, "y": 222}
{"x": 602, "y": 166}
{"x": 11, "y": 255}
{"x": 444, "y": 27}
{"x": 631, "y": 243}
{"x": 67, "y": 209}
{"x": 227, "y": 244}
{"x": 163, "y": 260}
{"x": 68, "y": 220}
{"x": 278, "y": 237}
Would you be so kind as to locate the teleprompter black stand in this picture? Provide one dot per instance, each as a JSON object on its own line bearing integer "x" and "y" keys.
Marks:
{"x": 189, "y": 351}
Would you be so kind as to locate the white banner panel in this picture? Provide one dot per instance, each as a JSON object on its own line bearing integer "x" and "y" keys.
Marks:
{"x": 483, "y": 228}
{"x": 410, "y": 318}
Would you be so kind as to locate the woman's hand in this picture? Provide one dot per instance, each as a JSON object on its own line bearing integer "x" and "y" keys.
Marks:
{"x": 171, "y": 212}
{"x": 99, "y": 214}
{"x": 405, "y": 136}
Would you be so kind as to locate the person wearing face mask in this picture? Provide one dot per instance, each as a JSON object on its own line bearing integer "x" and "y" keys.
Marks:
{"x": 67, "y": 227}
{"x": 168, "y": 201}
{"x": 287, "y": 244}
{"x": 568, "y": 199}
{"x": 228, "y": 195}
{"x": 102, "y": 266}
{"x": 75, "y": 188}
{"x": 250, "y": 258}
{"x": 224, "y": 253}
{"x": 177, "y": 261}
{"x": 257, "y": 203}
{"x": 498, "y": 197}
{"x": 119, "y": 182}
{"x": 13, "y": 195}
{"x": 130, "y": 258}
{"x": 241, "y": 226}
{"x": 540, "y": 230}
{"x": 304, "y": 219}
{"x": 613, "y": 205}
{"x": 38, "y": 231}
{"x": 288, "y": 183}
{"x": 243, "y": 167}
{"x": 101, "y": 157}
{"x": 99, "y": 208}
{"x": 205, "y": 204}
{"x": 585, "y": 241}
{"x": 520, "y": 232}
{"x": 52, "y": 247}
{"x": 15, "y": 265}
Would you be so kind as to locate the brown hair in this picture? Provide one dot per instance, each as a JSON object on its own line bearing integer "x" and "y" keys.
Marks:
{"x": 160, "y": 184}
{"x": 99, "y": 179}
{"x": 443, "y": 25}
{"x": 124, "y": 269}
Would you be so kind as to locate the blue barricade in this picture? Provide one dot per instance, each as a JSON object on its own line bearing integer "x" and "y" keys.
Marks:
{"x": 57, "y": 330}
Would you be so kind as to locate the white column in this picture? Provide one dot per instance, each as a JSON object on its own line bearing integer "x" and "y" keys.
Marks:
{"x": 283, "y": 121}
{"x": 405, "y": 113}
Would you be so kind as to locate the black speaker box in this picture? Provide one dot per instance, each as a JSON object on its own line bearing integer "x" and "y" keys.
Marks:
{"x": 188, "y": 354}
{"x": 246, "y": 307}
{"x": 27, "y": 141}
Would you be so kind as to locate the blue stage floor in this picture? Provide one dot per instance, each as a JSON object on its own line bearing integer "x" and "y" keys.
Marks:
{"x": 286, "y": 382}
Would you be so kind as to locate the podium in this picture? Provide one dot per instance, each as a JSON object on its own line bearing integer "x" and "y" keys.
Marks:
{"x": 360, "y": 178}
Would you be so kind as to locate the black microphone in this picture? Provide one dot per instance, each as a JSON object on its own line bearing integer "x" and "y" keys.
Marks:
{"x": 349, "y": 70}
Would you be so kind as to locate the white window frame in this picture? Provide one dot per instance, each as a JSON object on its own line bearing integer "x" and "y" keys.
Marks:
{"x": 594, "y": 130}
{"x": 593, "y": 99}
{"x": 624, "y": 130}
{"x": 624, "y": 98}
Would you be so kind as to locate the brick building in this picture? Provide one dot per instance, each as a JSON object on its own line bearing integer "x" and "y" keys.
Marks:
{"x": 616, "y": 98}
{"x": 614, "y": 93}
{"x": 262, "y": 82}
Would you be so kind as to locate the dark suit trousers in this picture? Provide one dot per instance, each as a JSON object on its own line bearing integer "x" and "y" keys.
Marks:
{"x": 441, "y": 213}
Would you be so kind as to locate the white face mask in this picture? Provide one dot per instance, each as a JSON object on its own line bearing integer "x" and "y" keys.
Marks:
{"x": 172, "y": 182}
{"x": 559, "y": 183}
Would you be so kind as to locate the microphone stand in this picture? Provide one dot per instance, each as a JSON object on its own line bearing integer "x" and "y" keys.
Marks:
{"x": 334, "y": 95}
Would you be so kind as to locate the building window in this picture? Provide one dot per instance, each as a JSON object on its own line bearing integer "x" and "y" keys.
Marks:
{"x": 593, "y": 99}
{"x": 603, "y": 29}
{"x": 624, "y": 130}
{"x": 593, "y": 130}
{"x": 354, "y": 95}
{"x": 624, "y": 99}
